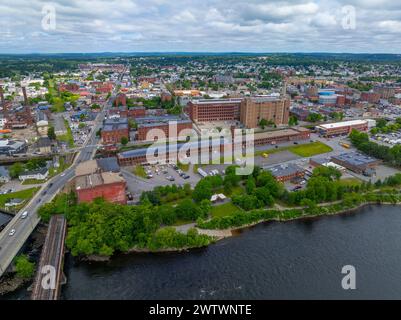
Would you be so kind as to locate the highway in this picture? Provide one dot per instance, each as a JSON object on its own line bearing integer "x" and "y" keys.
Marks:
{"x": 11, "y": 245}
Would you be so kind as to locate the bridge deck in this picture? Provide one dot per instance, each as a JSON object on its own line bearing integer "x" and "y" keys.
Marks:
{"x": 52, "y": 255}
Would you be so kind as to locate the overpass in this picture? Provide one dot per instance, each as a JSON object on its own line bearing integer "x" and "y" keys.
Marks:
{"x": 48, "y": 281}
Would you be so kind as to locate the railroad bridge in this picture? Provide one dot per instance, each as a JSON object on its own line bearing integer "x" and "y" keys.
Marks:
{"x": 50, "y": 275}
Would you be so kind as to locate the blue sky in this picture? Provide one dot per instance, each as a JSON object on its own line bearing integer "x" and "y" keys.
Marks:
{"x": 207, "y": 25}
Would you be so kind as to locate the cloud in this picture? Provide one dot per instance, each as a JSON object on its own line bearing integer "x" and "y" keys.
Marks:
{"x": 200, "y": 25}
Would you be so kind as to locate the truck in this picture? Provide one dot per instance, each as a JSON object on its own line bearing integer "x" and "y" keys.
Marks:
{"x": 202, "y": 173}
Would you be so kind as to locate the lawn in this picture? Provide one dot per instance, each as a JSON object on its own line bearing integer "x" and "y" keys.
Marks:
{"x": 183, "y": 167}
{"x": 350, "y": 182}
{"x": 140, "y": 171}
{"x": 32, "y": 181}
{"x": 224, "y": 210}
{"x": 68, "y": 137}
{"x": 311, "y": 149}
{"x": 23, "y": 194}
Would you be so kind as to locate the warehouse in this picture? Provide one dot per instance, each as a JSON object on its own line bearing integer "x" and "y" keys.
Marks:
{"x": 356, "y": 162}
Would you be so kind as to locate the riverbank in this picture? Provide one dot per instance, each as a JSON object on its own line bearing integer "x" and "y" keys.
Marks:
{"x": 220, "y": 234}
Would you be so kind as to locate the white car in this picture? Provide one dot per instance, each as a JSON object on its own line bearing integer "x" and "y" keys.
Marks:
{"x": 63, "y": 174}
{"x": 12, "y": 232}
{"x": 24, "y": 215}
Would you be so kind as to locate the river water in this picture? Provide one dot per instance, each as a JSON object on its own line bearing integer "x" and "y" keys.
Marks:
{"x": 4, "y": 219}
{"x": 292, "y": 260}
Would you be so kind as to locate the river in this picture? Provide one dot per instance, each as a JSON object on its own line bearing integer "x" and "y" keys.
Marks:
{"x": 292, "y": 260}
{"x": 4, "y": 219}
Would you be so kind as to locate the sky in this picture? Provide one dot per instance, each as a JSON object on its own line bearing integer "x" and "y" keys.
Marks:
{"x": 64, "y": 26}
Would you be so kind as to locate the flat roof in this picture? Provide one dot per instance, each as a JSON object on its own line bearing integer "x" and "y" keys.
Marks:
{"x": 217, "y": 101}
{"x": 162, "y": 123}
{"x": 355, "y": 158}
{"x": 342, "y": 124}
{"x": 285, "y": 170}
{"x": 278, "y": 133}
{"x": 96, "y": 179}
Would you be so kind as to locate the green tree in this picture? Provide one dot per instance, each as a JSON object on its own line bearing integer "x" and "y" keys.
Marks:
{"x": 51, "y": 133}
{"x": 124, "y": 141}
{"x": 293, "y": 121}
{"x": 16, "y": 170}
{"x": 24, "y": 268}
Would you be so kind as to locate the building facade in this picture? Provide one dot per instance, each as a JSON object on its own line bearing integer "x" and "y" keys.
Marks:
{"x": 254, "y": 109}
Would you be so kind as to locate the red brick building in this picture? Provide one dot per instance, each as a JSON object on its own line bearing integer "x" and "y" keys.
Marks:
{"x": 121, "y": 100}
{"x": 214, "y": 110}
{"x": 103, "y": 87}
{"x": 107, "y": 185}
{"x": 72, "y": 87}
{"x": 342, "y": 128}
{"x": 370, "y": 97}
{"x": 113, "y": 130}
{"x": 143, "y": 129}
{"x": 340, "y": 100}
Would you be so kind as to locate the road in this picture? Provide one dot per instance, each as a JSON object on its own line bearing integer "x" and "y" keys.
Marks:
{"x": 11, "y": 245}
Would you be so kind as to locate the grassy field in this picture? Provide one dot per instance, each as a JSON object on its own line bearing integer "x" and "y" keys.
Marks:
{"x": 24, "y": 194}
{"x": 302, "y": 150}
{"x": 68, "y": 137}
{"x": 350, "y": 182}
{"x": 32, "y": 181}
{"x": 224, "y": 210}
{"x": 183, "y": 167}
{"x": 311, "y": 149}
{"x": 139, "y": 171}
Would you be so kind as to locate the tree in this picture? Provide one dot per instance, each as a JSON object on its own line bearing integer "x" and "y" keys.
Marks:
{"x": 293, "y": 121}
{"x": 203, "y": 190}
{"x": 16, "y": 169}
{"x": 314, "y": 117}
{"x": 381, "y": 123}
{"x": 263, "y": 123}
{"x": 124, "y": 141}
{"x": 24, "y": 268}
{"x": 51, "y": 133}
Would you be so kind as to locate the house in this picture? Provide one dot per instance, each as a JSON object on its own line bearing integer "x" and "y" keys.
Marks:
{"x": 14, "y": 202}
{"x": 39, "y": 174}
{"x": 4, "y": 175}
{"x": 42, "y": 123}
{"x": 45, "y": 145}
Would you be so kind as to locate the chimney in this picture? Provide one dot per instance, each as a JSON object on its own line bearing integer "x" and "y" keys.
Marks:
{"x": 1, "y": 95}
{"x": 25, "y": 96}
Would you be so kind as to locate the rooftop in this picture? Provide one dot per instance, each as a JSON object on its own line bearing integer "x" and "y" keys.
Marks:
{"x": 284, "y": 170}
{"x": 355, "y": 158}
{"x": 97, "y": 179}
{"x": 342, "y": 124}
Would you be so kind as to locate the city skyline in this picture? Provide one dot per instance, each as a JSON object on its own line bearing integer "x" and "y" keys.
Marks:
{"x": 194, "y": 26}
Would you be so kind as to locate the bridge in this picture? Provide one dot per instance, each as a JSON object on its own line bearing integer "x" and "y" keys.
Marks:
{"x": 50, "y": 276}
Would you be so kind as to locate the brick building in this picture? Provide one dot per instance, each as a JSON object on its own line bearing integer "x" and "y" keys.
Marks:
{"x": 72, "y": 87}
{"x": 273, "y": 109}
{"x": 370, "y": 97}
{"x": 114, "y": 129}
{"x": 144, "y": 129}
{"x": 342, "y": 128}
{"x": 121, "y": 100}
{"x": 107, "y": 185}
{"x": 214, "y": 110}
{"x": 287, "y": 172}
